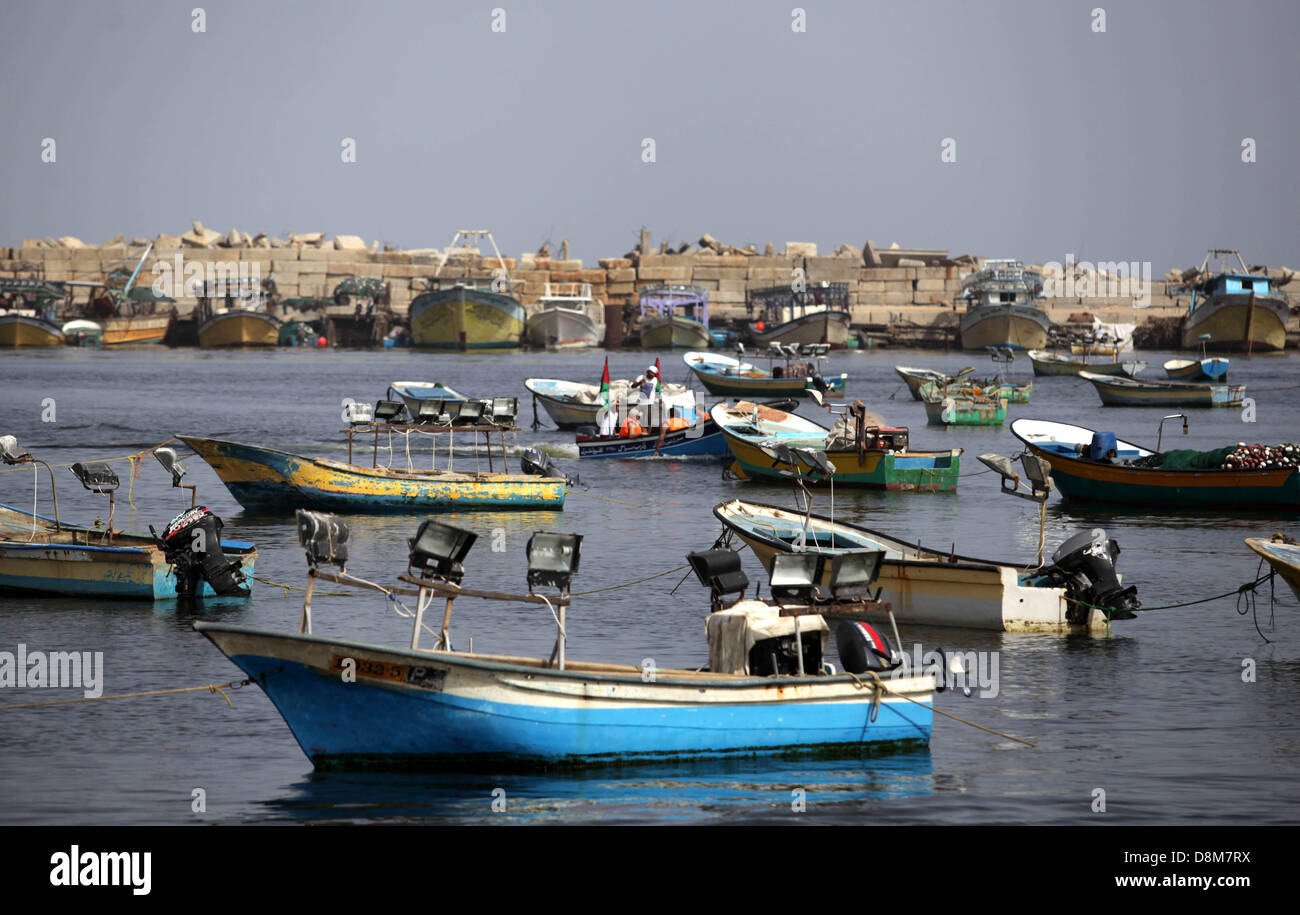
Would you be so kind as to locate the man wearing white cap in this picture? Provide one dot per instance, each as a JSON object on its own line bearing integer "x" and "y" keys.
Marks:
{"x": 648, "y": 382}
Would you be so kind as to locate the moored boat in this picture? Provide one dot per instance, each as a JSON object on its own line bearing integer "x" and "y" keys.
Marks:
{"x": 818, "y": 313}
{"x": 239, "y": 327}
{"x": 27, "y": 313}
{"x": 566, "y": 317}
{"x": 1000, "y": 307}
{"x": 954, "y": 405}
{"x": 1092, "y": 466}
{"x": 1133, "y": 392}
{"x": 445, "y": 709}
{"x": 81, "y": 332}
{"x": 466, "y": 312}
{"x": 1283, "y": 556}
{"x": 1046, "y": 363}
{"x": 674, "y": 316}
{"x": 938, "y": 587}
{"x": 571, "y": 404}
{"x": 772, "y": 444}
{"x": 1212, "y": 369}
{"x": 671, "y": 426}
{"x": 727, "y": 376}
{"x": 1241, "y": 310}
{"x": 1011, "y": 391}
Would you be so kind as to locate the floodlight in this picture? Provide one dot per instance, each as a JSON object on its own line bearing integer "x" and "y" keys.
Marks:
{"x": 324, "y": 537}
{"x": 817, "y": 460}
{"x": 504, "y": 410}
{"x": 853, "y": 572}
{"x": 1038, "y": 470}
{"x": 794, "y": 576}
{"x": 469, "y": 414}
{"x": 553, "y": 559}
{"x": 431, "y": 411}
{"x": 97, "y": 476}
{"x": 167, "y": 457}
{"x": 441, "y": 548}
{"x": 358, "y": 414}
{"x": 390, "y": 411}
{"x": 719, "y": 571}
{"x": 10, "y": 452}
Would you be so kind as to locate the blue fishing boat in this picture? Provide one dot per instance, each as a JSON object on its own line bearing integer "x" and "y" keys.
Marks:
{"x": 672, "y": 427}
{"x": 767, "y": 689}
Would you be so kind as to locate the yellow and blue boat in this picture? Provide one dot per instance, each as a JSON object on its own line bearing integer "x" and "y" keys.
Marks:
{"x": 1117, "y": 391}
{"x": 266, "y": 479}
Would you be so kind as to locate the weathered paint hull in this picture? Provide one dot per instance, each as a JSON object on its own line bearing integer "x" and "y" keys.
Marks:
{"x": 1084, "y": 481}
{"x": 1009, "y": 326}
{"x": 1283, "y": 558}
{"x": 1044, "y": 366}
{"x": 240, "y": 329}
{"x": 135, "y": 329}
{"x": 1197, "y": 369}
{"x": 915, "y": 378}
{"x": 265, "y": 479}
{"x": 830, "y": 327}
{"x": 1226, "y": 318}
{"x": 464, "y": 318}
{"x": 674, "y": 332}
{"x": 1128, "y": 393}
{"x": 27, "y": 332}
{"x": 567, "y": 414}
{"x": 706, "y": 441}
{"x": 563, "y": 328}
{"x": 961, "y": 411}
{"x": 765, "y": 386}
{"x": 936, "y": 591}
{"x": 910, "y": 471}
{"x": 443, "y": 710}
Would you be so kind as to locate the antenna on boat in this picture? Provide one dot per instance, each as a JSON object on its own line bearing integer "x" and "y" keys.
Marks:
{"x": 1160, "y": 430}
{"x": 11, "y": 454}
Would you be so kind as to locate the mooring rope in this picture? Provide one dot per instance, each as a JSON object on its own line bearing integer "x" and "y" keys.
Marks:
{"x": 1240, "y": 589}
{"x": 211, "y": 688}
{"x": 881, "y": 686}
{"x": 137, "y": 455}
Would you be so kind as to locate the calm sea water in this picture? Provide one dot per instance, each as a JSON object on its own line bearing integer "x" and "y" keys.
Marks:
{"x": 1157, "y": 715}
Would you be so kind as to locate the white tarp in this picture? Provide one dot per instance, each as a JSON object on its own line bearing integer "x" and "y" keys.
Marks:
{"x": 734, "y": 631}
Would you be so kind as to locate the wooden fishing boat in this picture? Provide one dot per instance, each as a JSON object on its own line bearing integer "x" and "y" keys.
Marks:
{"x": 1131, "y": 392}
{"x": 27, "y": 309}
{"x": 1283, "y": 556}
{"x": 270, "y": 480}
{"x": 725, "y": 375}
{"x": 41, "y": 555}
{"x": 1013, "y": 392}
{"x": 674, "y": 316}
{"x": 571, "y": 404}
{"x": 239, "y": 327}
{"x": 672, "y": 427}
{"x": 929, "y": 587}
{"x": 1240, "y": 310}
{"x": 819, "y": 313}
{"x": 567, "y": 316}
{"x": 464, "y": 312}
{"x": 1111, "y": 349}
{"x": 1123, "y": 480}
{"x": 955, "y": 405}
{"x": 1000, "y": 307}
{"x": 1046, "y": 363}
{"x": 1211, "y": 369}
{"x": 883, "y": 460}
{"x": 25, "y": 329}
{"x": 439, "y": 708}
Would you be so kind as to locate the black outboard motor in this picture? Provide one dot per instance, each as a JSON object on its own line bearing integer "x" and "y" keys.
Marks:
{"x": 1085, "y": 566}
{"x": 863, "y": 648}
{"x": 192, "y": 544}
{"x": 538, "y": 463}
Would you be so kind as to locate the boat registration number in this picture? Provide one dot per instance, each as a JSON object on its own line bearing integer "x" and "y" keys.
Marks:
{"x": 415, "y": 675}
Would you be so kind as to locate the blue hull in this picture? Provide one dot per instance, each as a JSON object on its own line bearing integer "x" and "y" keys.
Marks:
{"x": 344, "y": 725}
{"x": 709, "y": 443}
{"x": 119, "y": 573}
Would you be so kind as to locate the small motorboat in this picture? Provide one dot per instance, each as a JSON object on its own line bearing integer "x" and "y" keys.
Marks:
{"x": 1283, "y": 556}
{"x": 1013, "y": 392}
{"x": 415, "y": 393}
{"x": 962, "y": 405}
{"x": 571, "y": 404}
{"x": 767, "y": 688}
{"x": 724, "y": 375}
{"x": 1204, "y": 369}
{"x": 672, "y": 427}
{"x": 1046, "y": 363}
{"x": 1132, "y": 392}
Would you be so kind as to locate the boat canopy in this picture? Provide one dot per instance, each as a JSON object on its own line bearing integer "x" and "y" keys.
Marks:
{"x": 782, "y": 303}
{"x": 667, "y": 299}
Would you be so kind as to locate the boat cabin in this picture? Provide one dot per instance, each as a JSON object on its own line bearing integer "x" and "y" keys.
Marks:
{"x": 1003, "y": 281}
{"x": 667, "y": 300}
{"x": 781, "y": 304}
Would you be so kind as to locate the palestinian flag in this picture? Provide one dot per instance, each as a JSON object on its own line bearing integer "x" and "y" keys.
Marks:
{"x": 604, "y": 385}
{"x": 659, "y": 378}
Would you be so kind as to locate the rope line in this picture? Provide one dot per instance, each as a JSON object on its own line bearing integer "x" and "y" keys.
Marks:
{"x": 135, "y": 456}
{"x": 211, "y": 688}
{"x": 1249, "y": 586}
{"x": 881, "y": 686}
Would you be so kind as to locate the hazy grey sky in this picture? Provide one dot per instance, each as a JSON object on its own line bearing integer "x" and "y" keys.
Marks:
{"x": 1119, "y": 145}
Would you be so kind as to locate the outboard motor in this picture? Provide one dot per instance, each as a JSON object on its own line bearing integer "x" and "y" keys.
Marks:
{"x": 863, "y": 648}
{"x": 1085, "y": 565}
{"x": 538, "y": 463}
{"x": 192, "y": 544}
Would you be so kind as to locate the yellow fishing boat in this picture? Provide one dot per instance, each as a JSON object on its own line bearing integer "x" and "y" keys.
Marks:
{"x": 26, "y": 329}
{"x": 240, "y": 327}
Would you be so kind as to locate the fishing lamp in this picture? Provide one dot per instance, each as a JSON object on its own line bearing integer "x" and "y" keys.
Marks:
{"x": 430, "y": 411}
{"x": 97, "y": 476}
{"x": 1003, "y": 466}
{"x": 815, "y": 459}
{"x": 10, "y": 452}
{"x": 719, "y": 571}
{"x": 358, "y": 414}
{"x": 469, "y": 414}
{"x": 390, "y": 411}
{"x": 504, "y": 410}
{"x": 1038, "y": 471}
{"x": 854, "y": 572}
{"x": 793, "y": 576}
{"x": 167, "y": 457}
{"x": 324, "y": 537}
{"x": 553, "y": 559}
{"x": 440, "y": 549}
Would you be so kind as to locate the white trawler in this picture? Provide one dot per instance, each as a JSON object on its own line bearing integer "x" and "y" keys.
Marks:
{"x": 566, "y": 317}
{"x": 1001, "y": 309}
